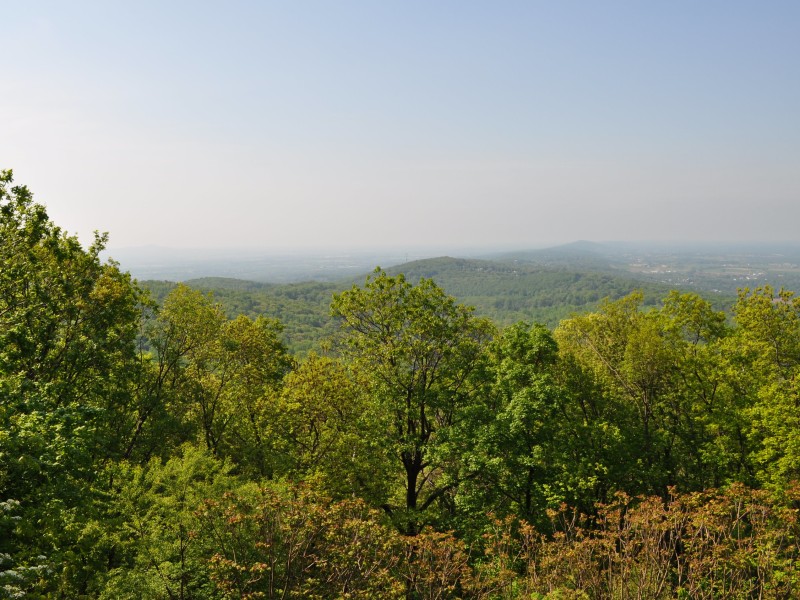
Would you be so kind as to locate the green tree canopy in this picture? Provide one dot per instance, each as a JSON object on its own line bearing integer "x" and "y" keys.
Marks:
{"x": 421, "y": 349}
{"x": 68, "y": 325}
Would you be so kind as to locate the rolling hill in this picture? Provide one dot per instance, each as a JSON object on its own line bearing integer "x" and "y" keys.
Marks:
{"x": 503, "y": 291}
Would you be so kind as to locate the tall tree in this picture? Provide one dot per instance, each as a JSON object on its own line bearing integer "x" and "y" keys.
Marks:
{"x": 518, "y": 444}
{"x": 324, "y": 428}
{"x": 767, "y": 341}
{"x": 421, "y": 349}
{"x": 663, "y": 370}
{"x": 68, "y": 324}
{"x": 220, "y": 376}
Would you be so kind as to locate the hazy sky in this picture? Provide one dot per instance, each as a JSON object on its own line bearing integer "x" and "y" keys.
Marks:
{"x": 342, "y": 123}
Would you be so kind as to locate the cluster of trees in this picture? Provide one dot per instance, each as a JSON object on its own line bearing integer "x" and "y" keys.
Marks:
{"x": 172, "y": 451}
{"x": 303, "y": 309}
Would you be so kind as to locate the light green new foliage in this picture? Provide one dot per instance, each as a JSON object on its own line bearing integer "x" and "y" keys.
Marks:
{"x": 420, "y": 349}
{"x": 707, "y": 413}
{"x": 68, "y": 324}
{"x": 326, "y": 429}
{"x": 664, "y": 371}
{"x": 771, "y": 320}
{"x": 253, "y": 362}
{"x": 221, "y": 376}
{"x": 161, "y": 550}
{"x": 768, "y": 336}
{"x": 515, "y": 438}
{"x": 622, "y": 349}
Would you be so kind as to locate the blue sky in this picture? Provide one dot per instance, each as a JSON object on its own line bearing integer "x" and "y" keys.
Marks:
{"x": 322, "y": 124}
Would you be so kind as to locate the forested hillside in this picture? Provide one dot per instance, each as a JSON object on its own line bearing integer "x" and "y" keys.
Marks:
{"x": 508, "y": 293}
{"x": 505, "y": 293}
{"x": 719, "y": 267}
{"x": 179, "y": 449}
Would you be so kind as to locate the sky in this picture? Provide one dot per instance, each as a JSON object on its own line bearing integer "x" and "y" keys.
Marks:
{"x": 314, "y": 124}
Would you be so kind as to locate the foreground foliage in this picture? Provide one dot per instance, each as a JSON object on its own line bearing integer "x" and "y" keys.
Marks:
{"x": 172, "y": 450}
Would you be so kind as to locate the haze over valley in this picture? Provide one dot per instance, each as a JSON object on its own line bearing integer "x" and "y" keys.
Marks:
{"x": 716, "y": 267}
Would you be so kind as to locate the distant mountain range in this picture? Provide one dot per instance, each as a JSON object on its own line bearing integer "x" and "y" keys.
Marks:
{"x": 718, "y": 267}
{"x": 544, "y": 285}
{"x": 723, "y": 267}
{"x": 514, "y": 288}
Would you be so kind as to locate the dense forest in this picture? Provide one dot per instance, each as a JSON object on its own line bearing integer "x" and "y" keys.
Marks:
{"x": 164, "y": 446}
{"x": 505, "y": 293}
